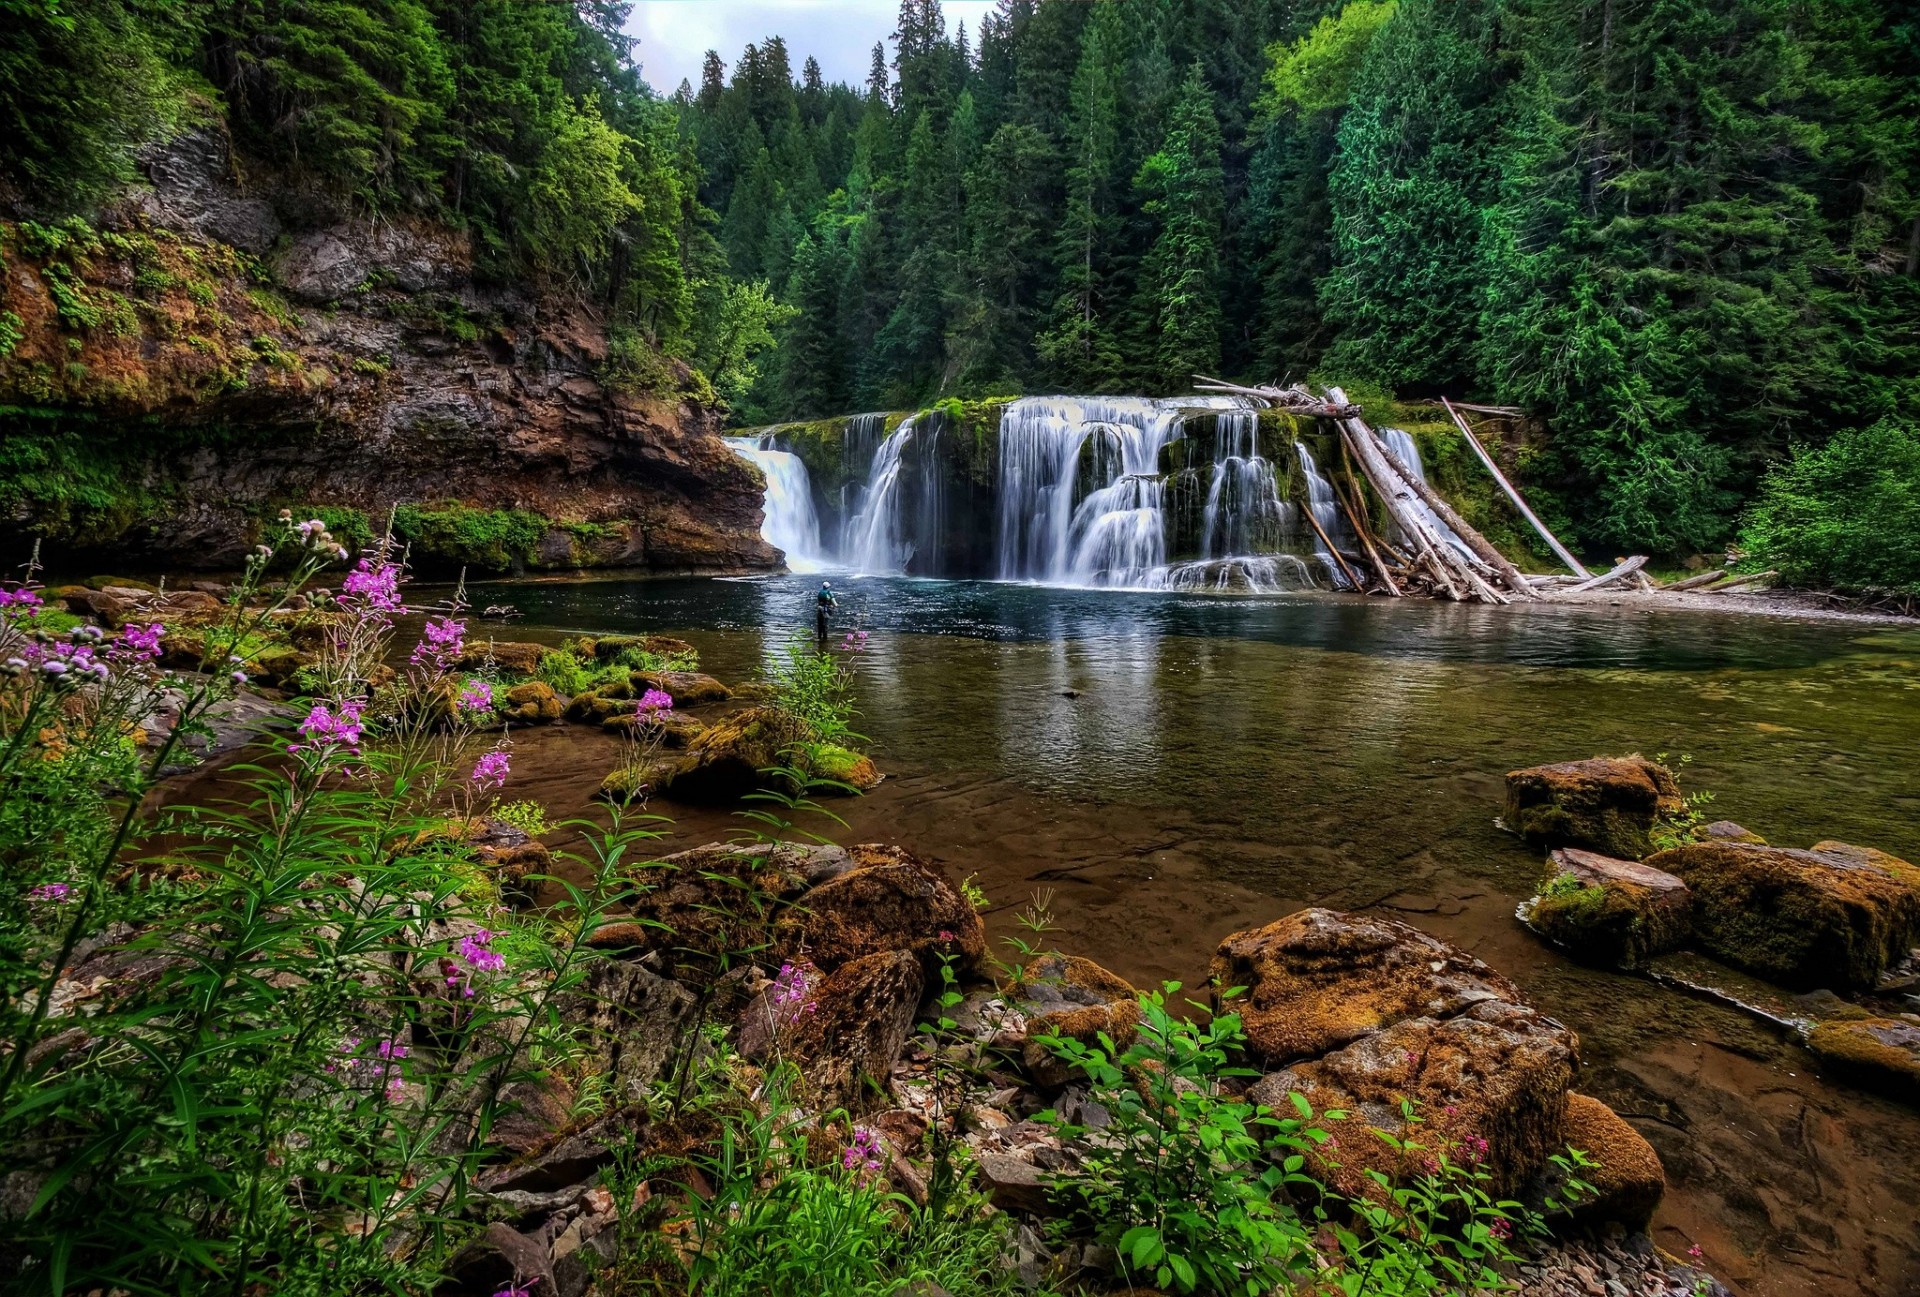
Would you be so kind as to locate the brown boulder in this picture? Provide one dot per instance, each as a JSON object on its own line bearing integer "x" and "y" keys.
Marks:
{"x": 687, "y": 688}
{"x": 1627, "y": 1178}
{"x": 1836, "y": 915}
{"x": 1607, "y": 804}
{"x": 888, "y": 900}
{"x": 1880, "y": 1053}
{"x": 1076, "y": 999}
{"x": 1320, "y": 979}
{"x": 728, "y": 761}
{"x": 596, "y": 706}
{"x": 714, "y": 907}
{"x": 1611, "y": 912}
{"x": 514, "y": 657}
{"x": 673, "y": 730}
{"x": 1488, "y": 1089}
{"x": 848, "y": 1033}
{"x": 532, "y": 703}
{"x": 511, "y": 857}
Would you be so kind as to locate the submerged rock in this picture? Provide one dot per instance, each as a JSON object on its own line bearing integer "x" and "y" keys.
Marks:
{"x": 1488, "y": 1088}
{"x": 1606, "y": 804}
{"x": 1880, "y": 1053}
{"x": 1320, "y": 979}
{"x": 1836, "y": 915}
{"x": 1611, "y": 912}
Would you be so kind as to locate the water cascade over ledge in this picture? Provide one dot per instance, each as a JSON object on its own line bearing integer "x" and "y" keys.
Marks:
{"x": 791, "y": 525}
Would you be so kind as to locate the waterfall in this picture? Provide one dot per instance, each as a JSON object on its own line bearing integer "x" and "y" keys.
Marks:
{"x": 1244, "y": 513}
{"x": 1080, "y": 492}
{"x": 1326, "y": 512}
{"x": 874, "y": 543}
{"x": 1407, "y": 451}
{"x": 790, "y": 525}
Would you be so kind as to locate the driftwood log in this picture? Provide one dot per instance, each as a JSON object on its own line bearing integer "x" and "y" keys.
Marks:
{"x": 1295, "y": 399}
{"x": 1513, "y": 492}
{"x": 1625, "y": 569}
{"x": 1695, "y": 582}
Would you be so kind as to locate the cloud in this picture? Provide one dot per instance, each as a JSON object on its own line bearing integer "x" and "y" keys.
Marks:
{"x": 676, "y": 34}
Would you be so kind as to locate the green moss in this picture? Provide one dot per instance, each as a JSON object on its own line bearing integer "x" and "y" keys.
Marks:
{"x": 495, "y": 540}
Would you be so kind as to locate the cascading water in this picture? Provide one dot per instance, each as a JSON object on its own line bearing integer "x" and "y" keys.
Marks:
{"x": 790, "y": 525}
{"x": 1326, "y": 512}
{"x": 875, "y": 539}
{"x": 1080, "y": 491}
{"x": 1244, "y": 512}
{"x": 1407, "y": 451}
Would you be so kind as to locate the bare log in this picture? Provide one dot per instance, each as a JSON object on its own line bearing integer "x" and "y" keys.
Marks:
{"x": 1738, "y": 581}
{"x": 1295, "y": 399}
{"x": 1695, "y": 582}
{"x": 1513, "y": 494}
{"x": 1326, "y": 540}
{"x": 1366, "y": 541}
{"x": 1479, "y": 544}
{"x": 1628, "y": 568}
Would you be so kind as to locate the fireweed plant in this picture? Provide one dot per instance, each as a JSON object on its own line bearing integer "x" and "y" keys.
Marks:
{"x": 266, "y": 1058}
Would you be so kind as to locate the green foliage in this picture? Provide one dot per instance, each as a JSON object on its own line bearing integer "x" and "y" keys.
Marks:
{"x": 635, "y": 364}
{"x": 1315, "y": 73}
{"x": 1842, "y": 516}
{"x": 528, "y": 816}
{"x": 351, "y": 527}
{"x": 564, "y": 673}
{"x": 496, "y": 540}
{"x": 11, "y": 332}
{"x": 816, "y": 687}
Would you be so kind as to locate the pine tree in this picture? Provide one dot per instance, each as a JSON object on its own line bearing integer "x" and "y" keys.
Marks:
{"x": 1180, "y": 283}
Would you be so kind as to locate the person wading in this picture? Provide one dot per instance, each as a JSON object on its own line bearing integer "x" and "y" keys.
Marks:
{"x": 823, "y": 604}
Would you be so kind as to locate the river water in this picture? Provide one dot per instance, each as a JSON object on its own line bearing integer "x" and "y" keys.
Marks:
{"x": 1174, "y": 767}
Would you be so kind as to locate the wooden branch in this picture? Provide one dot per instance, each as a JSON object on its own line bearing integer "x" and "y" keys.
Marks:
{"x": 1739, "y": 581}
{"x": 1695, "y": 582}
{"x": 1500, "y": 411}
{"x": 1296, "y": 399}
{"x": 1352, "y": 580}
{"x": 1628, "y": 568}
{"x": 1513, "y": 494}
{"x": 1366, "y": 542}
{"x": 1479, "y": 544}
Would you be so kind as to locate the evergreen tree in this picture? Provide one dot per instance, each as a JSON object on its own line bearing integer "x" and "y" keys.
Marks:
{"x": 1180, "y": 283}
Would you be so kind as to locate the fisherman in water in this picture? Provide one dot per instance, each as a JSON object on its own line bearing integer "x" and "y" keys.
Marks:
{"x": 823, "y": 604}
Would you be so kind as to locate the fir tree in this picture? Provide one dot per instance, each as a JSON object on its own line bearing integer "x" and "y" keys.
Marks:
{"x": 1180, "y": 282}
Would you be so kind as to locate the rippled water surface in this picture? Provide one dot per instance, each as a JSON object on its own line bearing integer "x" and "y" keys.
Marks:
{"x": 1174, "y": 767}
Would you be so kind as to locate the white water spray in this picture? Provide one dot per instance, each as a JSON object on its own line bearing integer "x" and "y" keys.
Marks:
{"x": 790, "y": 524}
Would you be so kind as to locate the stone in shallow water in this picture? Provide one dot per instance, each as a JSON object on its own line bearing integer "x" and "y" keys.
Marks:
{"x": 1881, "y": 1053}
{"x": 1606, "y": 804}
{"x": 1488, "y": 1088}
{"x": 1836, "y": 915}
{"x": 1320, "y": 979}
{"x": 1628, "y": 1181}
{"x": 687, "y": 688}
{"x": 1609, "y": 911}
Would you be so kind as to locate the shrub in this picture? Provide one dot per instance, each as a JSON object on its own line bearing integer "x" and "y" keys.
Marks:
{"x": 1843, "y": 516}
{"x": 496, "y": 540}
{"x": 563, "y": 673}
{"x": 528, "y": 816}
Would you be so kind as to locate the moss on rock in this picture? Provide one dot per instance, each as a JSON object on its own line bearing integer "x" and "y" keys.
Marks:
{"x": 1611, "y": 912}
{"x": 1627, "y": 1178}
{"x": 1606, "y": 804}
{"x": 1880, "y": 1053}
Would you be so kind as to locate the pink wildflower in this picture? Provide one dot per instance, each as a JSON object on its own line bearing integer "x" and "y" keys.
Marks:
{"x": 656, "y": 700}
{"x": 50, "y": 892}
{"x": 372, "y": 589}
{"x": 517, "y": 1289}
{"x": 139, "y": 642}
{"x": 1502, "y": 1228}
{"x": 20, "y": 601}
{"x": 479, "y": 957}
{"x": 441, "y": 644}
{"x": 863, "y": 1154}
{"x": 324, "y": 729}
{"x": 792, "y": 987}
{"x": 476, "y": 697}
{"x": 490, "y": 771}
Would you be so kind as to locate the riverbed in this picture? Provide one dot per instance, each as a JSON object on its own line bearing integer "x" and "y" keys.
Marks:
{"x": 1169, "y": 768}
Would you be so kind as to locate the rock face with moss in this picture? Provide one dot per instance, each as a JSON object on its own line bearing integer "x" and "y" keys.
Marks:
{"x": 1834, "y": 916}
{"x": 1611, "y": 912}
{"x": 1880, "y": 1053}
{"x": 1607, "y": 804}
{"x": 173, "y": 378}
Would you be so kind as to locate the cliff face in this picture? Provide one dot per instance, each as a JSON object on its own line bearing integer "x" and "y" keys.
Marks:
{"x": 191, "y": 365}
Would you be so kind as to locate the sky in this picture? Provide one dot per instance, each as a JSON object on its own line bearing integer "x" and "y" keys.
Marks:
{"x": 676, "y": 34}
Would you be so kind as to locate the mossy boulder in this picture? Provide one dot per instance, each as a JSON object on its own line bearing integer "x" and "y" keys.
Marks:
{"x": 727, "y": 761}
{"x": 512, "y": 857}
{"x": 1488, "y": 1088}
{"x": 671, "y": 730}
{"x": 1321, "y": 979}
{"x": 1833, "y": 916}
{"x": 686, "y": 688}
{"x": 1879, "y": 1053}
{"x": 608, "y": 648}
{"x": 1728, "y": 831}
{"x": 714, "y": 907}
{"x": 514, "y": 657}
{"x": 1074, "y": 999}
{"x": 1627, "y": 1178}
{"x": 1611, "y": 912}
{"x": 889, "y": 899}
{"x": 841, "y": 765}
{"x": 847, "y": 1034}
{"x": 1606, "y": 804}
{"x": 596, "y": 706}
{"x": 532, "y": 703}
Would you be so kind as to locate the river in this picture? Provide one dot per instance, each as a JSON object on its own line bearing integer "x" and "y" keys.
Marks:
{"x": 1174, "y": 767}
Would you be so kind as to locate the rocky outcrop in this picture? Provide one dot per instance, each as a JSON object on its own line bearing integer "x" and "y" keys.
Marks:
{"x": 1834, "y": 916}
{"x": 847, "y": 1034}
{"x": 1626, "y": 1177}
{"x": 372, "y": 370}
{"x": 1320, "y": 979}
{"x": 1611, "y": 912}
{"x": 1607, "y": 804}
